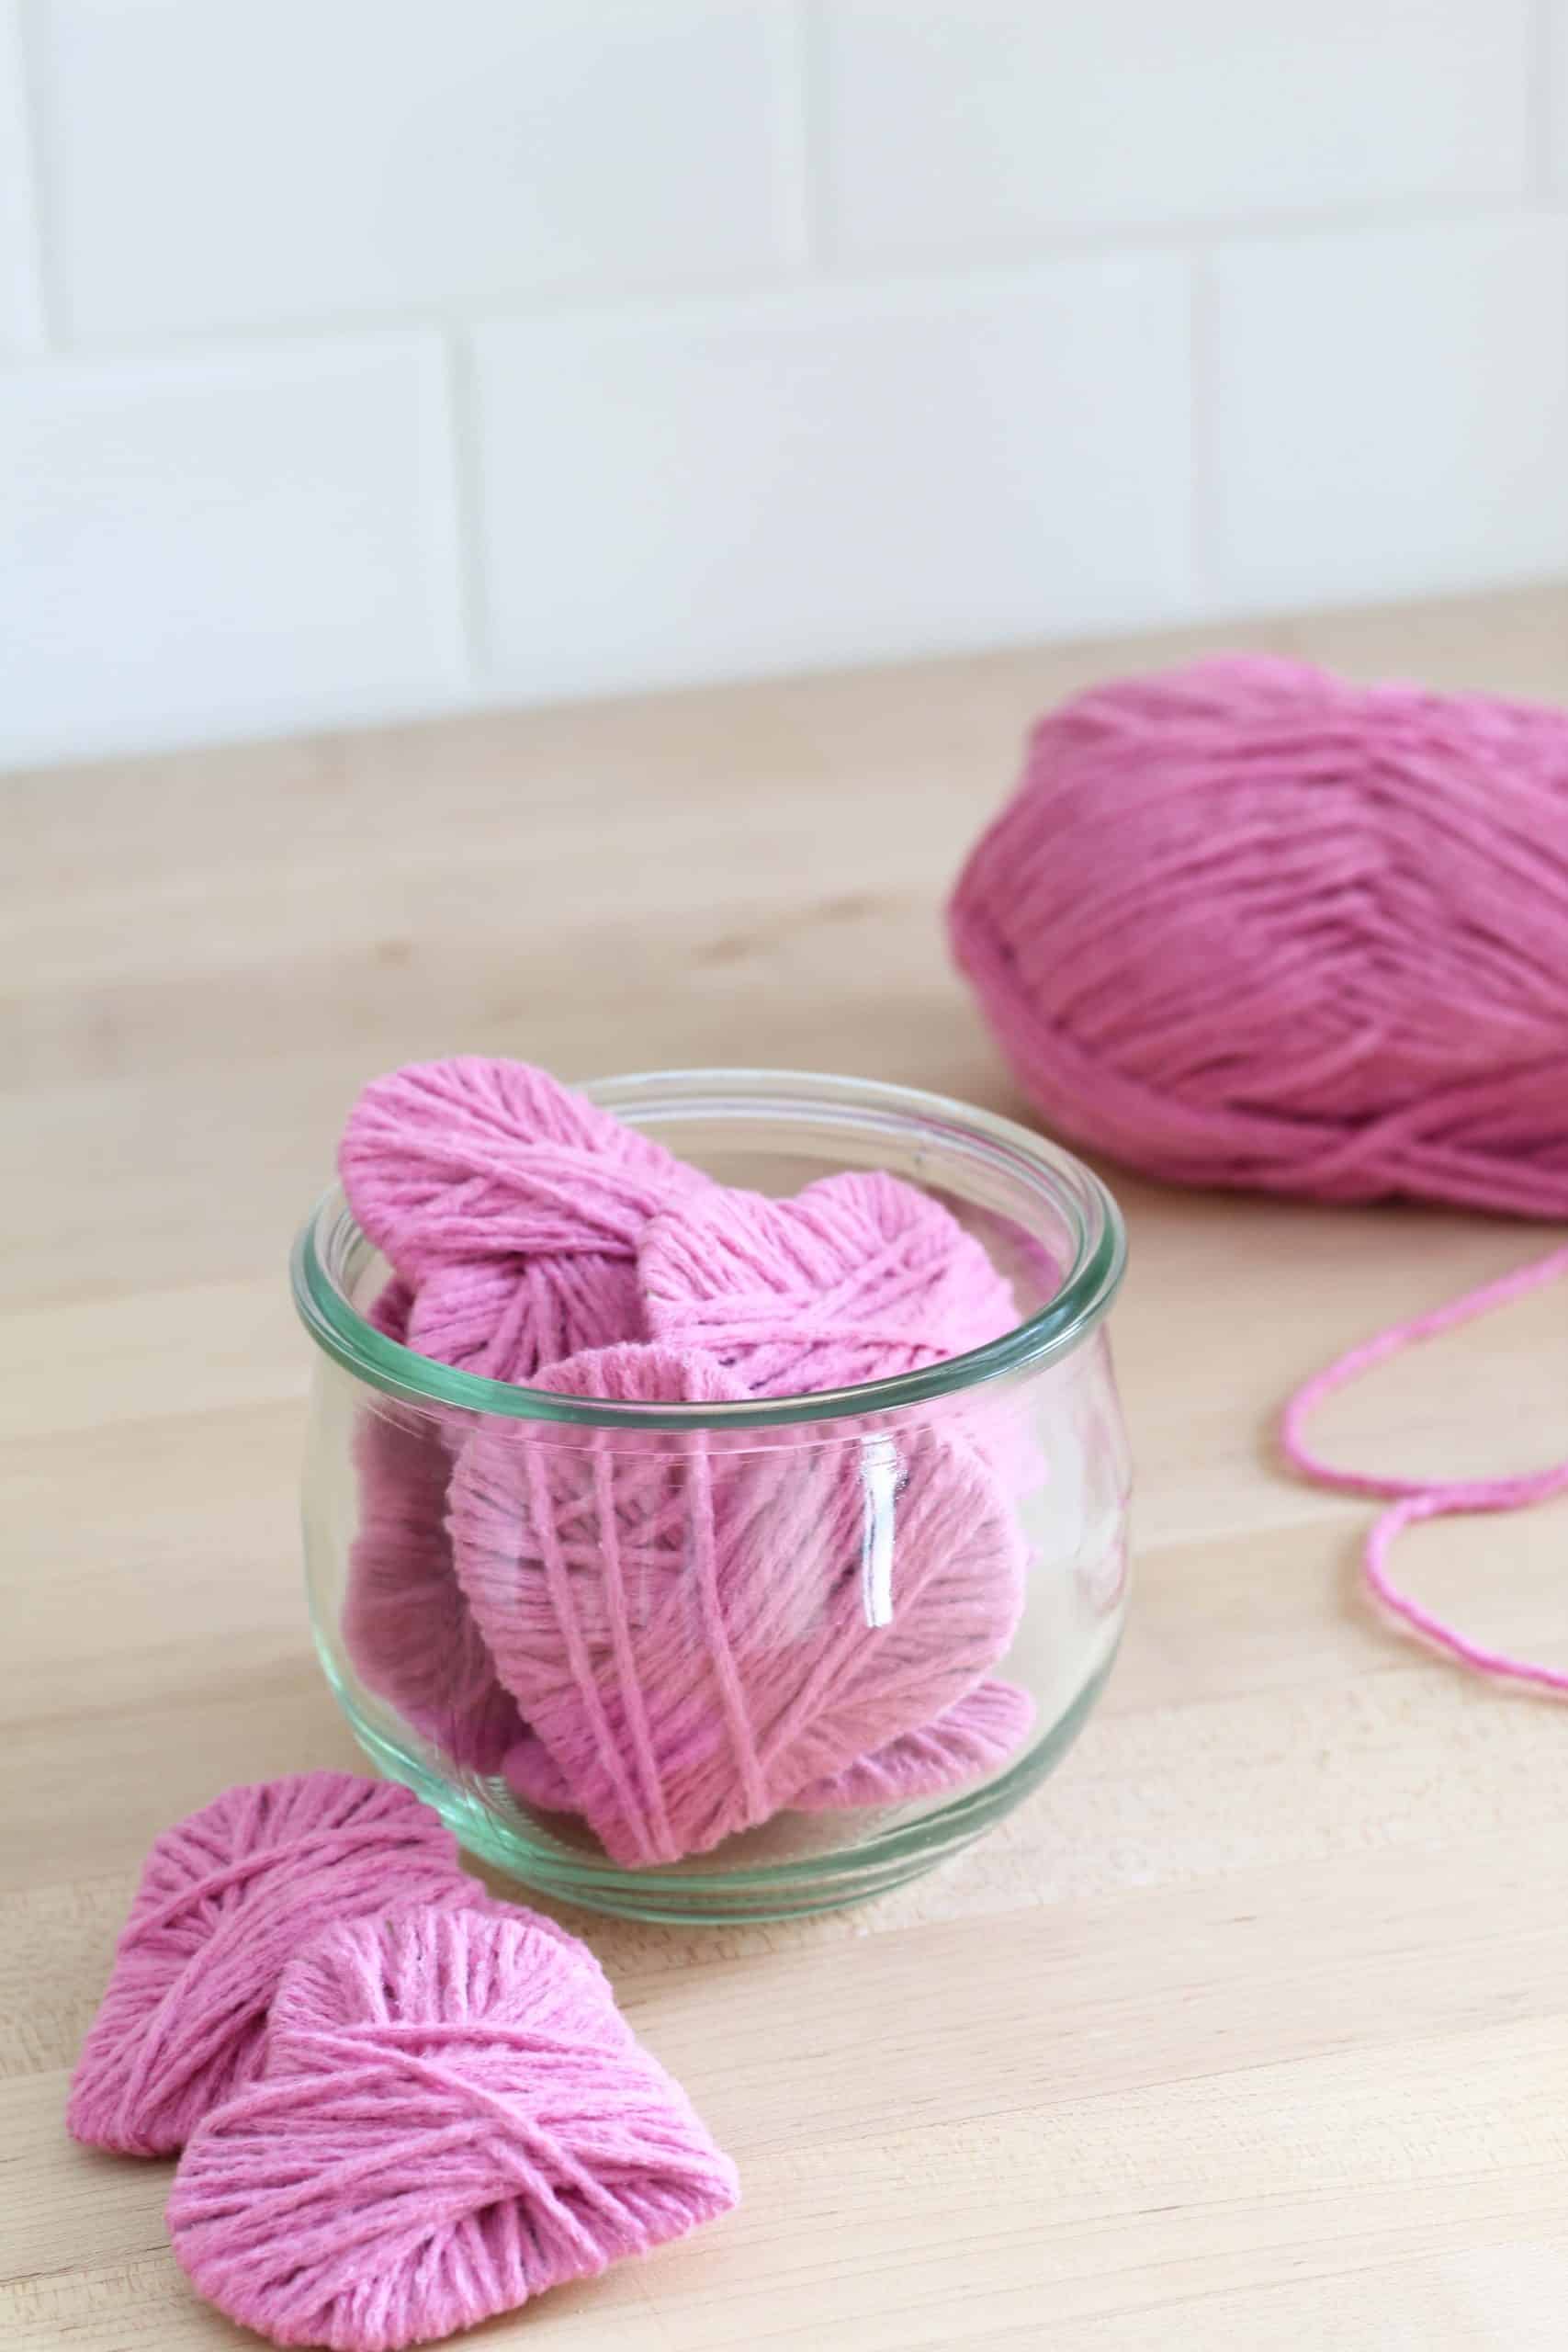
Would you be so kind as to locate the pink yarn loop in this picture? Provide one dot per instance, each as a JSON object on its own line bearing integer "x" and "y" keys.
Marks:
{"x": 1249, "y": 925}
{"x": 1422, "y": 1498}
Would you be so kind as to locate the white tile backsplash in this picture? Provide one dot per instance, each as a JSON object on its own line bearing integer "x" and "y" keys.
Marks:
{"x": 833, "y": 476}
{"x": 1388, "y": 414}
{"x": 366, "y": 356}
{"x": 188, "y": 545}
{"x": 222, "y": 162}
{"x": 21, "y": 318}
{"x": 1012, "y": 120}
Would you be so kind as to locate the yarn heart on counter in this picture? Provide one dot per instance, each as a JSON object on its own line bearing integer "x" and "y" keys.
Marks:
{"x": 857, "y": 1277}
{"x": 226, "y": 1896}
{"x": 454, "y": 2119}
{"x": 512, "y": 1205}
{"x": 697, "y": 1632}
{"x": 406, "y": 1626}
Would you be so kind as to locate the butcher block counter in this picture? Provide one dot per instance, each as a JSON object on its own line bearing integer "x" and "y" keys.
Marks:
{"x": 1250, "y": 2028}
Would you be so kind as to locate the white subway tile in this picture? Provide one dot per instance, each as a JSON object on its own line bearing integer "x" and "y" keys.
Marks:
{"x": 20, "y": 320}
{"x": 270, "y": 160}
{"x": 956, "y": 125}
{"x": 1387, "y": 413}
{"x": 1555, "y": 96}
{"x": 834, "y": 476}
{"x": 231, "y": 544}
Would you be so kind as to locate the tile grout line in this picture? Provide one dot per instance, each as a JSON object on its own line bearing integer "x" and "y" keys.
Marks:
{"x": 48, "y": 294}
{"x": 467, "y": 484}
{"x": 1200, "y": 444}
{"x": 1541, "y": 66}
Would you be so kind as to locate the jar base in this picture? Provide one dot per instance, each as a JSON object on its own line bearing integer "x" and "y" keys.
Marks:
{"x": 722, "y": 1894}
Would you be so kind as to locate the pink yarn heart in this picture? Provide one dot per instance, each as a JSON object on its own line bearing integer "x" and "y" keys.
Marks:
{"x": 406, "y": 1626}
{"x": 859, "y": 1277}
{"x": 453, "y": 2121}
{"x": 974, "y": 1736}
{"x": 226, "y": 1896}
{"x": 696, "y": 1633}
{"x": 513, "y": 1206}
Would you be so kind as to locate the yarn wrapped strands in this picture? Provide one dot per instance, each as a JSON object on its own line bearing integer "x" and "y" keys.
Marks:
{"x": 454, "y": 2119}
{"x": 226, "y": 1896}
{"x": 857, "y": 1278}
{"x": 697, "y": 1632}
{"x": 1247, "y": 925}
{"x": 512, "y": 1205}
{"x": 406, "y": 1626}
{"x": 975, "y": 1734}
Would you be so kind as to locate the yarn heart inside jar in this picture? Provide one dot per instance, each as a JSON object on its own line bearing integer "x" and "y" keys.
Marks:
{"x": 697, "y": 1631}
{"x": 512, "y": 1206}
{"x": 757, "y": 1652}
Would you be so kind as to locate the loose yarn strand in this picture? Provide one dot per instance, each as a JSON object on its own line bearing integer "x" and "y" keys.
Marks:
{"x": 1415, "y": 1499}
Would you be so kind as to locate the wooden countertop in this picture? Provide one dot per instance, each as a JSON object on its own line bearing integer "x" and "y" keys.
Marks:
{"x": 1251, "y": 2030}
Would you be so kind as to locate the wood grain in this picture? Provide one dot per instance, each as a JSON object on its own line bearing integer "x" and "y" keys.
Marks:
{"x": 1252, "y": 2028}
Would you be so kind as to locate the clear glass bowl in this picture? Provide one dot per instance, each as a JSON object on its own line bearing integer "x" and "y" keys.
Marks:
{"x": 709, "y": 1613}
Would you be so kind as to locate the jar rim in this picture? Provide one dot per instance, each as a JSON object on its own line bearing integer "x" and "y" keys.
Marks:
{"x": 1073, "y": 1191}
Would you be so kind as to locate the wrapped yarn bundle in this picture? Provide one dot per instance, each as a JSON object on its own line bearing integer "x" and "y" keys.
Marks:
{"x": 685, "y": 1626}
{"x": 1246, "y": 924}
{"x": 670, "y": 1636}
{"x": 403, "y": 2105}
{"x": 455, "y": 2118}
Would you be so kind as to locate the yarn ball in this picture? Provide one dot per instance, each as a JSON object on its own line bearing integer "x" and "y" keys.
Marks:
{"x": 512, "y": 1206}
{"x": 696, "y": 1632}
{"x": 1246, "y": 924}
{"x": 857, "y": 1277}
{"x": 226, "y": 1896}
{"x": 454, "y": 2119}
{"x": 406, "y": 1626}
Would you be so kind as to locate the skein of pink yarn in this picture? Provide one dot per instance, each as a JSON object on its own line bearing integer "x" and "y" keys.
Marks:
{"x": 455, "y": 2118}
{"x": 1246, "y": 924}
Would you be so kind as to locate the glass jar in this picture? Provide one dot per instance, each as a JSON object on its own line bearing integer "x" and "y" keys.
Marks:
{"x": 747, "y": 1660}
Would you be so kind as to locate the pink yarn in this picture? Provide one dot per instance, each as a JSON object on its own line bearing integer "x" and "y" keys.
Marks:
{"x": 454, "y": 2119}
{"x": 696, "y": 1633}
{"x": 857, "y": 1278}
{"x": 976, "y": 1735}
{"x": 406, "y": 1626}
{"x": 1415, "y": 1499}
{"x": 226, "y": 1896}
{"x": 513, "y": 1206}
{"x": 1248, "y": 925}
{"x": 514, "y": 1212}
